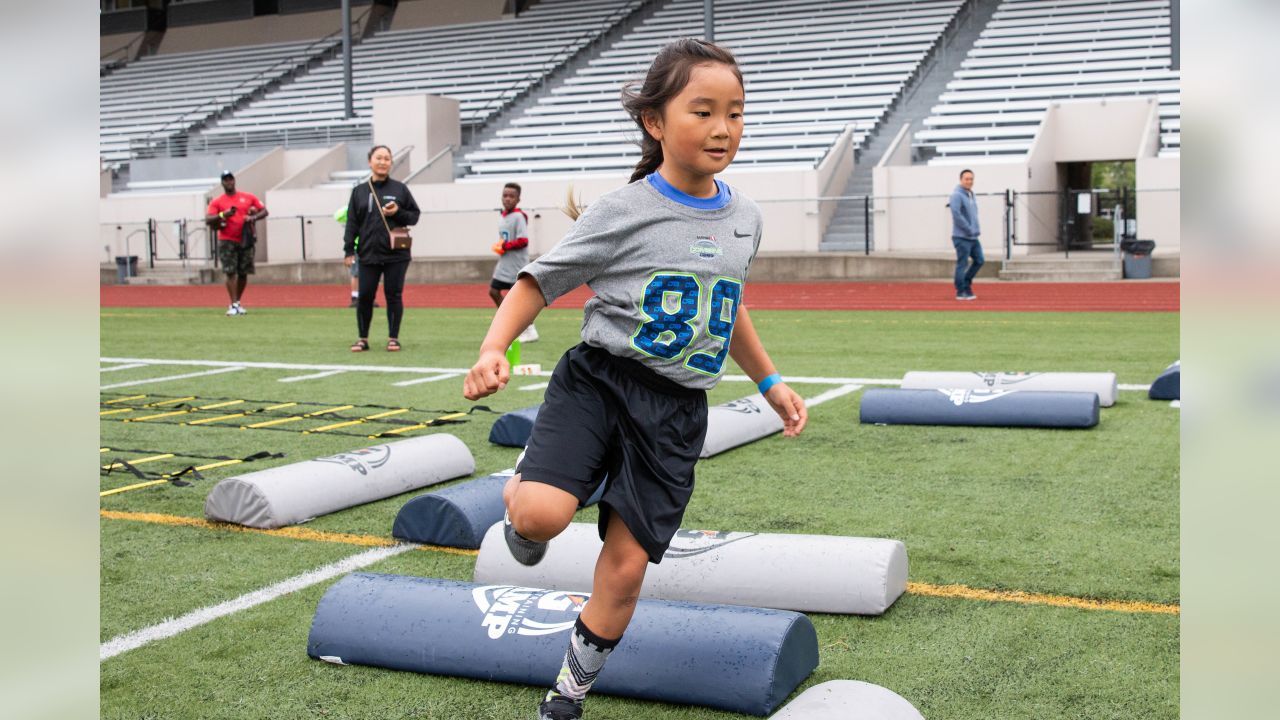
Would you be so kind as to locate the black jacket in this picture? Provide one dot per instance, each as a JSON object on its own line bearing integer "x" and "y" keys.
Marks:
{"x": 364, "y": 221}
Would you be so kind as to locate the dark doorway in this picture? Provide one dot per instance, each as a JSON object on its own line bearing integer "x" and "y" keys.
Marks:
{"x": 1098, "y": 204}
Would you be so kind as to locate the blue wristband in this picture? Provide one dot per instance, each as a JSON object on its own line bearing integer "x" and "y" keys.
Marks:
{"x": 768, "y": 382}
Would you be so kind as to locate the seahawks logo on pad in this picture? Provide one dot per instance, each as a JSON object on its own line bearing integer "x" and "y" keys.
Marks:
{"x": 512, "y": 610}
{"x": 973, "y": 397}
{"x": 1005, "y": 378}
{"x": 745, "y": 406}
{"x": 363, "y": 460}
{"x": 688, "y": 543}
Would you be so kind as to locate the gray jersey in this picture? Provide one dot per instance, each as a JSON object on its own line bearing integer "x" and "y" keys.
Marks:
{"x": 668, "y": 278}
{"x": 513, "y": 229}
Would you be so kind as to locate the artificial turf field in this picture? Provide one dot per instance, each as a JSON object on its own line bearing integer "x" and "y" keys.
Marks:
{"x": 1069, "y": 514}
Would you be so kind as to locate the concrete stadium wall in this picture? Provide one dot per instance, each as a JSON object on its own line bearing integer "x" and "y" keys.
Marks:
{"x": 429, "y": 13}
{"x": 256, "y": 31}
{"x": 115, "y": 42}
{"x": 910, "y": 200}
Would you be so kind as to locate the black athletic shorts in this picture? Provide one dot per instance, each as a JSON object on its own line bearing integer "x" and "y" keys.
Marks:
{"x": 497, "y": 284}
{"x": 606, "y": 416}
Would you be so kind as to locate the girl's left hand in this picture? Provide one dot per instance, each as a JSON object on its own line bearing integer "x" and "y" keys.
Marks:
{"x": 390, "y": 208}
{"x": 790, "y": 407}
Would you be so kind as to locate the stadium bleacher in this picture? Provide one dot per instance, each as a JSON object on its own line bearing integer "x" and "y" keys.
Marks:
{"x": 1036, "y": 52}
{"x": 806, "y": 82}
{"x": 483, "y": 65}
{"x": 159, "y": 96}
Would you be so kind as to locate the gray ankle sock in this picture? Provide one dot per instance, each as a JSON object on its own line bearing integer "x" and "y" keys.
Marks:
{"x": 582, "y": 662}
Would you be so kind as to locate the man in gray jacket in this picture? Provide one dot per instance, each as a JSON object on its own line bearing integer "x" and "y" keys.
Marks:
{"x": 964, "y": 235}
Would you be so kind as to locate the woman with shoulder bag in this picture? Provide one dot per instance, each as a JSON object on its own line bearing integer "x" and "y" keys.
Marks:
{"x": 380, "y": 213}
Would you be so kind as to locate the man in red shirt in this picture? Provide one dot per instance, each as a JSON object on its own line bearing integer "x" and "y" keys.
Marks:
{"x": 233, "y": 215}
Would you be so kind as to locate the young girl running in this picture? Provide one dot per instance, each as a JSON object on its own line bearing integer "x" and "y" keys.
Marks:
{"x": 667, "y": 256}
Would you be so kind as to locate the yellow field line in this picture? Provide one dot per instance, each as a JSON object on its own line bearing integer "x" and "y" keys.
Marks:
{"x": 944, "y": 591}
{"x": 1027, "y": 598}
{"x": 388, "y": 413}
{"x": 293, "y": 533}
{"x": 281, "y": 405}
{"x": 113, "y": 412}
{"x": 139, "y": 461}
{"x": 123, "y": 399}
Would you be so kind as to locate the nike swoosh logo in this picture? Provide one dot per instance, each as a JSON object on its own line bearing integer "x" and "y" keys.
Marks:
{"x": 740, "y": 235}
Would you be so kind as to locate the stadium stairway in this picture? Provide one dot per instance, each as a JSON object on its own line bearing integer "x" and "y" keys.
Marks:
{"x": 847, "y": 230}
{"x": 502, "y": 120}
{"x": 1083, "y": 266}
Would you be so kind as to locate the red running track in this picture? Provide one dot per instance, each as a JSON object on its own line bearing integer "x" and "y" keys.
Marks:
{"x": 997, "y": 296}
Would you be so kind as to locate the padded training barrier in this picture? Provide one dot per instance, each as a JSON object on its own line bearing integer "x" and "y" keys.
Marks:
{"x": 817, "y": 573}
{"x": 1103, "y": 384}
{"x": 512, "y": 429}
{"x": 300, "y": 491}
{"x": 848, "y": 700}
{"x": 1169, "y": 385}
{"x": 1000, "y": 408}
{"x": 738, "y": 423}
{"x": 739, "y": 659}
{"x": 458, "y": 516}
{"x": 728, "y": 426}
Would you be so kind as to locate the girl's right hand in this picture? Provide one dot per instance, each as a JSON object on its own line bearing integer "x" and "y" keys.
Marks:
{"x": 489, "y": 375}
{"x": 348, "y": 260}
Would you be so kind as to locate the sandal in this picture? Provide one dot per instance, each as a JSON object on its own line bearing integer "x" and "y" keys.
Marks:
{"x": 393, "y": 346}
{"x": 360, "y": 346}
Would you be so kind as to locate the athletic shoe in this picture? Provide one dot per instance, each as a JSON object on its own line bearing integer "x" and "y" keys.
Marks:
{"x": 961, "y": 296}
{"x": 529, "y": 335}
{"x": 232, "y": 311}
{"x": 559, "y": 707}
{"x": 240, "y": 309}
{"x": 524, "y": 550}
{"x": 970, "y": 296}
{"x": 354, "y": 303}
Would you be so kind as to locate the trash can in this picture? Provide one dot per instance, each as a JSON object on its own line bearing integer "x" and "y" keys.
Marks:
{"x": 126, "y": 267}
{"x": 1137, "y": 258}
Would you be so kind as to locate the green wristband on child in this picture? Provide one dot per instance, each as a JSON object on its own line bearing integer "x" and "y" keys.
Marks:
{"x": 768, "y": 382}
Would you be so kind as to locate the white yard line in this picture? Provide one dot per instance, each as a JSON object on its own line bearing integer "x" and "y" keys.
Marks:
{"x": 796, "y": 379}
{"x": 196, "y": 618}
{"x": 832, "y": 395}
{"x": 130, "y": 366}
{"x": 313, "y": 376}
{"x": 535, "y": 386}
{"x": 429, "y": 378}
{"x": 215, "y": 371}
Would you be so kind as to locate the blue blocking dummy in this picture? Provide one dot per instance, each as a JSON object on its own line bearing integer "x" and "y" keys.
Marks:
{"x": 1169, "y": 385}
{"x": 458, "y": 516}
{"x": 513, "y": 429}
{"x": 999, "y": 408}
{"x": 740, "y": 659}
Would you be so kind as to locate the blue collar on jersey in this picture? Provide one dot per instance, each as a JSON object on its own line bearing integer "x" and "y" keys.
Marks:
{"x": 715, "y": 202}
